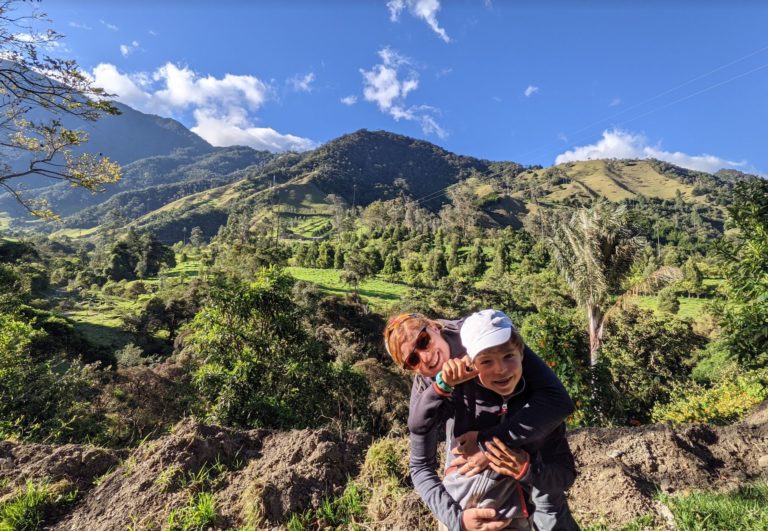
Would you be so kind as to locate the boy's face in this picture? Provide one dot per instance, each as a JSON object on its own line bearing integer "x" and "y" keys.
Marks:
{"x": 500, "y": 368}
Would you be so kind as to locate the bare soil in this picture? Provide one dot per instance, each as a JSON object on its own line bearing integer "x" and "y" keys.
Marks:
{"x": 258, "y": 478}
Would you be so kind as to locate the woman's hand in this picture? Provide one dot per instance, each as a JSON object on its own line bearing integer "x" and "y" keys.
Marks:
{"x": 457, "y": 371}
{"x": 479, "y": 519}
{"x": 508, "y": 461}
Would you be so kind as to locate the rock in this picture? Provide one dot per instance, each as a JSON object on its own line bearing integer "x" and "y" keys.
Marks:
{"x": 763, "y": 461}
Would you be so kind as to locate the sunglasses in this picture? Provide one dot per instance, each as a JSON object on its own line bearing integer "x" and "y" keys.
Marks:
{"x": 423, "y": 341}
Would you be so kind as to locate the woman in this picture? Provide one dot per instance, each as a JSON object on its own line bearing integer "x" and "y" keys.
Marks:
{"x": 422, "y": 345}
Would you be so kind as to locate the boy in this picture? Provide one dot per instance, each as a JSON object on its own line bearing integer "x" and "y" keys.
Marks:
{"x": 480, "y": 407}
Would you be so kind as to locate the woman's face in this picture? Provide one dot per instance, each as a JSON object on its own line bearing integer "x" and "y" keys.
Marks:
{"x": 430, "y": 351}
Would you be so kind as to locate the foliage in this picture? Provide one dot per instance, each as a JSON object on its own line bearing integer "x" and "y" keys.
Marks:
{"x": 137, "y": 256}
{"x": 645, "y": 355}
{"x": 725, "y": 401}
{"x": 668, "y": 301}
{"x": 41, "y": 397}
{"x": 564, "y": 347}
{"x": 62, "y": 91}
{"x": 745, "y": 508}
{"x": 594, "y": 249}
{"x": 254, "y": 363}
{"x": 746, "y": 261}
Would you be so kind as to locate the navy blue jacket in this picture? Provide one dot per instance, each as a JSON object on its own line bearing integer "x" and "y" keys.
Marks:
{"x": 534, "y": 421}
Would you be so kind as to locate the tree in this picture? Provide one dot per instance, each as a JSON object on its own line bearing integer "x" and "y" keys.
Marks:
{"x": 31, "y": 82}
{"x": 746, "y": 264}
{"x": 196, "y": 237}
{"x": 437, "y": 267}
{"x": 256, "y": 365}
{"x": 593, "y": 249}
{"x": 357, "y": 267}
{"x": 645, "y": 356}
{"x": 668, "y": 301}
{"x": 476, "y": 261}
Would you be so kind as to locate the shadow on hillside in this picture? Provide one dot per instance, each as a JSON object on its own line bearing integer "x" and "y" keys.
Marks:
{"x": 103, "y": 336}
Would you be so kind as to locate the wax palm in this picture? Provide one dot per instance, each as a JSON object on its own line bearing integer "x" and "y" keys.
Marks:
{"x": 593, "y": 249}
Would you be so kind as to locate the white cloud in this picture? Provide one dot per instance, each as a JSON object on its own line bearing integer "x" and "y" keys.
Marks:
{"x": 302, "y": 83}
{"x": 530, "y": 91}
{"x": 43, "y": 40}
{"x": 423, "y": 9}
{"x": 128, "y": 49}
{"x": 222, "y": 108}
{"x": 78, "y": 25}
{"x": 615, "y": 102}
{"x": 109, "y": 26}
{"x": 237, "y": 129}
{"x": 349, "y": 100}
{"x": 152, "y": 32}
{"x": 626, "y": 145}
{"x": 388, "y": 85}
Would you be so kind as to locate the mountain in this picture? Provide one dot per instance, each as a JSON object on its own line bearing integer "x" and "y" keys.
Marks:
{"x": 170, "y": 194}
{"x": 366, "y": 166}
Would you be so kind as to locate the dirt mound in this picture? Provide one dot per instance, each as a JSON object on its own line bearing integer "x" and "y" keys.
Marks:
{"x": 78, "y": 465}
{"x": 256, "y": 477}
{"x": 620, "y": 469}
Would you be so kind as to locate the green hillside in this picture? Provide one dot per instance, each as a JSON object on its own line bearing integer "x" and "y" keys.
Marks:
{"x": 183, "y": 191}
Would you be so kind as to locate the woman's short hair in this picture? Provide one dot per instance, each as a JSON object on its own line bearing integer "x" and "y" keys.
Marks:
{"x": 402, "y": 327}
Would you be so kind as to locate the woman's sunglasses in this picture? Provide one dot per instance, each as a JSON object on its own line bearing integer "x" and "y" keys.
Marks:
{"x": 423, "y": 341}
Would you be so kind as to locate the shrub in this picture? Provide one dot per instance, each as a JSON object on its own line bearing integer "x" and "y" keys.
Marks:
{"x": 724, "y": 402}
{"x": 255, "y": 364}
{"x": 40, "y": 397}
{"x": 645, "y": 356}
{"x": 564, "y": 347}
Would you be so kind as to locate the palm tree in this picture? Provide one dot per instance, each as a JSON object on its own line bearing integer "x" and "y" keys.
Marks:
{"x": 593, "y": 249}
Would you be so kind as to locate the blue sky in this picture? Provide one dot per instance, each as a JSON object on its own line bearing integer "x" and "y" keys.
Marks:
{"x": 533, "y": 82}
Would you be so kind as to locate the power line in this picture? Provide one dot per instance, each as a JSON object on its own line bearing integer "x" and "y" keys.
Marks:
{"x": 443, "y": 191}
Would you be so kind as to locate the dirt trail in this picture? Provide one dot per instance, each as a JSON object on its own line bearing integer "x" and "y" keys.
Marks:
{"x": 259, "y": 477}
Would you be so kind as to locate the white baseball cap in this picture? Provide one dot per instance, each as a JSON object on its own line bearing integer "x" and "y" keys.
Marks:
{"x": 485, "y": 329}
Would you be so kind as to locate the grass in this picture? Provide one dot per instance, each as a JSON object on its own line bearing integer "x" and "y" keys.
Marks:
{"x": 28, "y": 509}
{"x": 345, "y": 512}
{"x": 690, "y": 308}
{"x": 375, "y": 291}
{"x": 745, "y": 509}
{"x": 640, "y": 523}
{"x": 198, "y": 514}
{"x": 311, "y": 226}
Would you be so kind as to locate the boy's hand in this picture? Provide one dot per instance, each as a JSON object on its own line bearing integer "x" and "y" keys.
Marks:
{"x": 456, "y": 371}
{"x": 508, "y": 461}
{"x": 484, "y": 519}
{"x": 471, "y": 460}
{"x": 467, "y": 444}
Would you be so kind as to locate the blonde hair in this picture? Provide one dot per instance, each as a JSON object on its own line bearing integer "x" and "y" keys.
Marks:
{"x": 400, "y": 328}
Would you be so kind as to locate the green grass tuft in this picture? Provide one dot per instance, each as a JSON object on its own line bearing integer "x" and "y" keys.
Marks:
{"x": 745, "y": 509}
{"x": 197, "y": 515}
